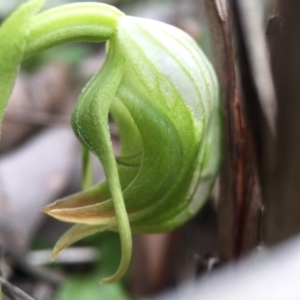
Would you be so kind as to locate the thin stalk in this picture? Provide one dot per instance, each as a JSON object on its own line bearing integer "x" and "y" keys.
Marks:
{"x": 87, "y": 169}
{"x": 92, "y": 22}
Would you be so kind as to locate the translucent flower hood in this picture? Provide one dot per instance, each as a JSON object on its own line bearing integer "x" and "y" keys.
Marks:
{"x": 163, "y": 95}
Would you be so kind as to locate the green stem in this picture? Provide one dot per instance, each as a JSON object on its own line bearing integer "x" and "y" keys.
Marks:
{"x": 13, "y": 37}
{"x": 109, "y": 165}
{"x": 93, "y": 22}
{"x": 87, "y": 169}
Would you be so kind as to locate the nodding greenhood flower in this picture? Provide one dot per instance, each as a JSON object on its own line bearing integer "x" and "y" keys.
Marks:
{"x": 163, "y": 96}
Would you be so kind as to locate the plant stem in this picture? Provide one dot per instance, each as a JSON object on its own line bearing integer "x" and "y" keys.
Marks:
{"x": 87, "y": 169}
{"x": 93, "y": 22}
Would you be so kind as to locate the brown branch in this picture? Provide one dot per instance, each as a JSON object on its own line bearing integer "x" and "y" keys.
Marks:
{"x": 258, "y": 93}
{"x": 283, "y": 206}
{"x": 237, "y": 168}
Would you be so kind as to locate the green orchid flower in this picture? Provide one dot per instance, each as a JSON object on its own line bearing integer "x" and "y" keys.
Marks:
{"x": 162, "y": 93}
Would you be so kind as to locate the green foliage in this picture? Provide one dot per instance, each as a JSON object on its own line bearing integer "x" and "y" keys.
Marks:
{"x": 78, "y": 288}
{"x": 87, "y": 286}
{"x": 163, "y": 95}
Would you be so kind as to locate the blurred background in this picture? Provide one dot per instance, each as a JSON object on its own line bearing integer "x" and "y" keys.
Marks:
{"x": 254, "y": 204}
